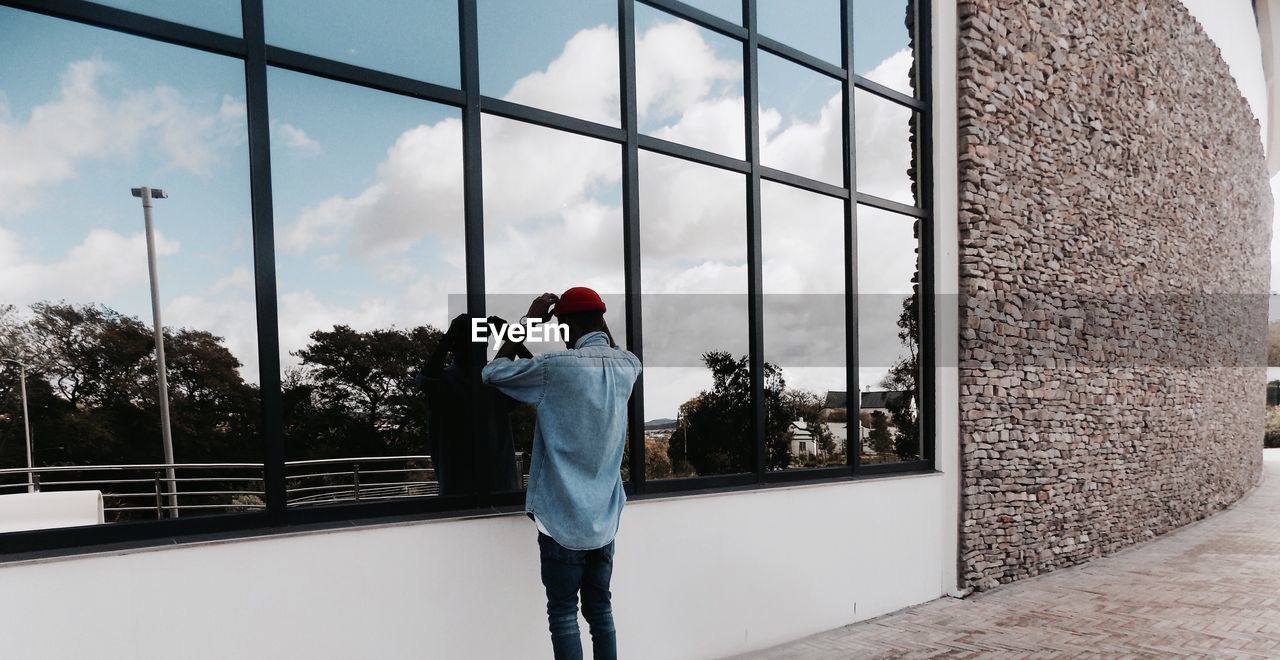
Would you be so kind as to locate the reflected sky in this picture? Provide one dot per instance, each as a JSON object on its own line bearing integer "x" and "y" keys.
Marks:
{"x": 216, "y": 15}
{"x": 730, "y": 10}
{"x": 689, "y": 84}
{"x": 880, "y": 34}
{"x": 886, "y": 266}
{"x": 367, "y": 184}
{"x": 883, "y": 142}
{"x": 693, "y": 271}
{"x": 801, "y": 115}
{"x": 803, "y": 279}
{"x": 366, "y": 221}
{"x": 567, "y": 64}
{"x": 414, "y": 38}
{"x": 110, "y": 113}
{"x": 552, "y": 220}
{"x": 812, "y": 26}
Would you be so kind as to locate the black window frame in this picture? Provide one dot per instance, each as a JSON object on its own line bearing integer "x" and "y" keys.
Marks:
{"x": 257, "y": 56}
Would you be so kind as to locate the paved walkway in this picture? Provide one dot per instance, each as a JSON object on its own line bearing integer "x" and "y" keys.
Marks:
{"x": 1211, "y": 589}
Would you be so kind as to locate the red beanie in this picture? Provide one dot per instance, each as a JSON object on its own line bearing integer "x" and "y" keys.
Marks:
{"x": 579, "y": 299}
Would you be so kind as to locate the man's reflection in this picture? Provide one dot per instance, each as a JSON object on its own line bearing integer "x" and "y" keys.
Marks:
{"x": 456, "y": 446}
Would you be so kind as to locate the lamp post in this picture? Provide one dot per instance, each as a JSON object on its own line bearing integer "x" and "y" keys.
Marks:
{"x": 148, "y": 194}
{"x": 26, "y": 420}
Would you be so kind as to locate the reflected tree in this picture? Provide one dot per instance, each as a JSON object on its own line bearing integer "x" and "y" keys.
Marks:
{"x": 880, "y": 438}
{"x": 902, "y": 377}
{"x": 353, "y": 393}
{"x": 92, "y": 389}
{"x": 714, "y": 432}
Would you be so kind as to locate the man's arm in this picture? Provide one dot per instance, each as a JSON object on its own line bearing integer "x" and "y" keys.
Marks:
{"x": 512, "y": 349}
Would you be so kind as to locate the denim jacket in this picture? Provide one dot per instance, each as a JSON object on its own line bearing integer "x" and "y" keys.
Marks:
{"x": 575, "y": 488}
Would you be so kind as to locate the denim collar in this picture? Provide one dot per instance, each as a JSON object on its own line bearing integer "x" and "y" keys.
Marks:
{"x": 597, "y": 338}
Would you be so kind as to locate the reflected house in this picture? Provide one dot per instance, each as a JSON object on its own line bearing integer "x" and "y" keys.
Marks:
{"x": 804, "y": 447}
{"x": 885, "y": 402}
{"x": 770, "y": 229}
{"x": 876, "y": 404}
{"x": 802, "y": 444}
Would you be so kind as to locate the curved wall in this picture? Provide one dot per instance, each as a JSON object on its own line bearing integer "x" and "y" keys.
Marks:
{"x": 1114, "y": 226}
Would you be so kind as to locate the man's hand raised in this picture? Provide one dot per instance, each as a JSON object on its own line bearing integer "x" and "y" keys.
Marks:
{"x": 540, "y": 308}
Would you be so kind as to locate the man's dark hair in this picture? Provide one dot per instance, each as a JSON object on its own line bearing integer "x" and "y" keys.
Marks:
{"x": 586, "y": 321}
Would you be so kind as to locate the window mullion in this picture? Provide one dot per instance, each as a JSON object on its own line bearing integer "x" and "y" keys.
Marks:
{"x": 853, "y": 399}
{"x": 631, "y": 231}
{"x": 264, "y": 260}
{"x": 755, "y": 311}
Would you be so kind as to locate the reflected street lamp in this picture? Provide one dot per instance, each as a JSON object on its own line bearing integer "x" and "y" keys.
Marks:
{"x": 147, "y": 194}
{"x": 26, "y": 420}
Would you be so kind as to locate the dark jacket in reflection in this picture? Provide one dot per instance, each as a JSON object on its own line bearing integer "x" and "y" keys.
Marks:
{"x": 467, "y": 458}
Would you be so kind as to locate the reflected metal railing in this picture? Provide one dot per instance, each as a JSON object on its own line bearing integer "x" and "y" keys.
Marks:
{"x": 140, "y": 491}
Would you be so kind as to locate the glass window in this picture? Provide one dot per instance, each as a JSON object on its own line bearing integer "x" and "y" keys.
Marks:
{"x": 888, "y": 336}
{"x": 553, "y": 220}
{"x": 89, "y": 115}
{"x": 369, "y": 238}
{"x": 213, "y": 15}
{"x": 689, "y": 84}
{"x": 886, "y": 147}
{"x": 557, "y": 55}
{"x": 883, "y": 42}
{"x": 803, "y": 236}
{"x": 694, "y": 280}
{"x": 801, "y": 120}
{"x": 812, "y": 26}
{"x": 412, "y": 38}
{"x": 730, "y": 10}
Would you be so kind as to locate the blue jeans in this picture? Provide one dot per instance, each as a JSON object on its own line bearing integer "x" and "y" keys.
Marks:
{"x": 565, "y": 572}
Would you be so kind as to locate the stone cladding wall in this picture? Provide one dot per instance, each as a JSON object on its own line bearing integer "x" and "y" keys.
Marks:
{"x": 1114, "y": 225}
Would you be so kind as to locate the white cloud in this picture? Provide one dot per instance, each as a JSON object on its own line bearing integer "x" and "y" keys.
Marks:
{"x": 232, "y": 110}
{"x": 884, "y": 134}
{"x": 579, "y": 81}
{"x": 294, "y": 138}
{"x": 812, "y": 149}
{"x": 531, "y": 171}
{"x": 239, "y": 279}
{"x": 417, "y": 192}
{"x": 676, "y": 69}
{"x": 85, "y": 123}
{"x": 325, "y": 223}
{"x": 302, "y": 313}
{"x": 232, "y": 317}
{"x": 895, "y": 71}
{"x": 102, "y": 265}
{"x": 327, "y": 262}
{"x": 693, "y": 215}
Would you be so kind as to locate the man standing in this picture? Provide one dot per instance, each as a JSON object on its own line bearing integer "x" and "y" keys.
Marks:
{"x": 575, "y": 493}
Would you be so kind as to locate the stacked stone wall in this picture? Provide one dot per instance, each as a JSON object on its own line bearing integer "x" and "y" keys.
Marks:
{"x": 1114, "y": 225}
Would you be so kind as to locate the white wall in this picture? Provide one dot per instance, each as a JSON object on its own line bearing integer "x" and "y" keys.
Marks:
{"x": 696, "y": 577}
{"x": 21, "y": 512}
{"x": 946, "y": 241}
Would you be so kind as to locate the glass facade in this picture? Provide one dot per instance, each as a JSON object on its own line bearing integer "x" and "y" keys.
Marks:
{"x": 741, "y": 181}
